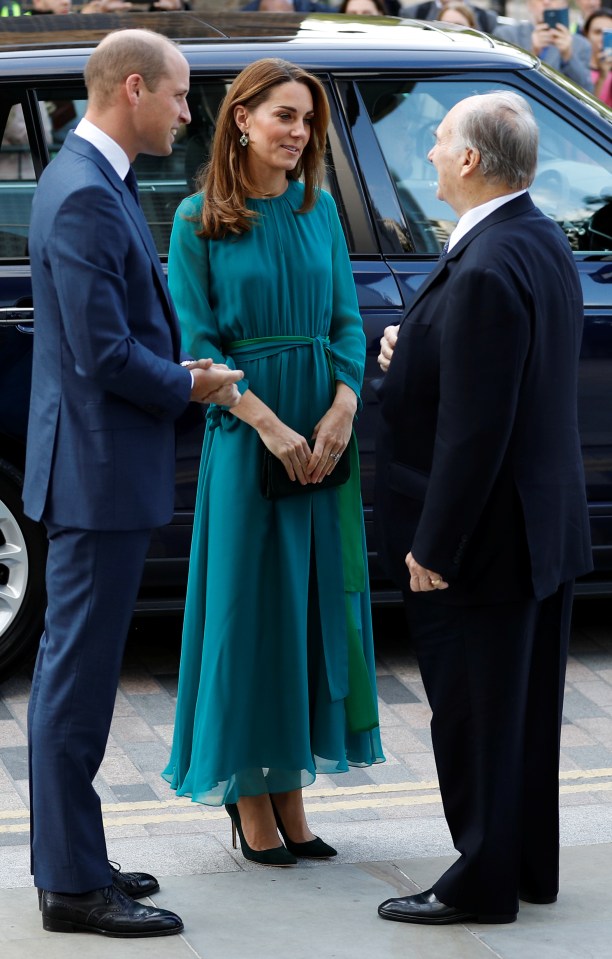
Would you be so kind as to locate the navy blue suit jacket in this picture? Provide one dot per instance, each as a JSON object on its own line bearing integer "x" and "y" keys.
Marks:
{"x": 106, "y": 382}
{"x": 479, "y": 468}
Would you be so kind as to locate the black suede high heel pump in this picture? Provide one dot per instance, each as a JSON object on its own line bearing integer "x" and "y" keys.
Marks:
{"x": 312, "y": 849}
{"x": 279, "y": 856}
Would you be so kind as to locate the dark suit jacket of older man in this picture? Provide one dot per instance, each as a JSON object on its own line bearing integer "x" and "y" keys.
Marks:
{"x": 478, "y": 428}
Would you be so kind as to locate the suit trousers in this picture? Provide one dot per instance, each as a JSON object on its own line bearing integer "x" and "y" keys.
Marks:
{"x": 92, "y": 583}
{"x": 494, "y": 677}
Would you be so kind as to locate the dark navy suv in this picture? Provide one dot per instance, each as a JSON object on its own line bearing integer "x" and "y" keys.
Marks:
{"x": 389, "y": 84}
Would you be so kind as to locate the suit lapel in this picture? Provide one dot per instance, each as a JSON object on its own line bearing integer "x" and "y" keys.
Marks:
{"x": 134, "y": 211}
{"x": 522, "y": 204}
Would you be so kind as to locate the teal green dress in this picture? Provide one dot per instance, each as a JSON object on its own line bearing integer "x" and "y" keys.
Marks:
{"x": 277, "y": 678}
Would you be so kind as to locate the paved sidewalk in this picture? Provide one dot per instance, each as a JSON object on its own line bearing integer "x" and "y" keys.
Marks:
{"x": 328, "y": 910}
{"x": 386, "y": 822}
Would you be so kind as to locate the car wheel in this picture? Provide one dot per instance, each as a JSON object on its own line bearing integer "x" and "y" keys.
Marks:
{"x": 23, "y": 550}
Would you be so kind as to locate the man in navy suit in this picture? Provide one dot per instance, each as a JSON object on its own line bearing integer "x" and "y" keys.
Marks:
{"x": 107, "y": 386}
{"x": 482, "y": 510}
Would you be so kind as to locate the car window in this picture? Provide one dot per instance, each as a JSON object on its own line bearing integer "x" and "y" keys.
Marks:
{"x": 573, "y": 184}
{"x": 17, "y": 181}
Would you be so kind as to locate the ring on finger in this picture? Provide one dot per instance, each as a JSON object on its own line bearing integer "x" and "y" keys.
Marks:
{"x": 334, "y": 456}
{"x": 435, "y": 582}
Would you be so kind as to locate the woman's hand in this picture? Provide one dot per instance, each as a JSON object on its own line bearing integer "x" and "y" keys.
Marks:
{"x": 289, "y": 447}
{"x": 283, "y": 442}
{"x": 332, "y": 434}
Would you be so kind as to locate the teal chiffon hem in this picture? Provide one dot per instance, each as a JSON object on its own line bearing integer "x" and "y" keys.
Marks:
{"x": 256, "y": 782}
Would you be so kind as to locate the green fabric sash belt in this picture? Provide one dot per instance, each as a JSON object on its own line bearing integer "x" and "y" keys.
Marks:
{"x": 340, "y": 569}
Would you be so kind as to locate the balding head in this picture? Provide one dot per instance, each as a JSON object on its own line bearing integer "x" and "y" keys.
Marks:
{"x": 501, "y": 126}
{"x": 123, "y": 53}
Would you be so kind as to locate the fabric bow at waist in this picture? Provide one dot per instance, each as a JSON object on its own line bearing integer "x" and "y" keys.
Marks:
{"x": 262, "y": 346}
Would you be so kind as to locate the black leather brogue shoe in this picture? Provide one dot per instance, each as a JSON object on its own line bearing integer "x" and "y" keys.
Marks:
{"x": 427, "y": 909}
{"x": 108, "y": 912}
{"x": 136, "y": 885}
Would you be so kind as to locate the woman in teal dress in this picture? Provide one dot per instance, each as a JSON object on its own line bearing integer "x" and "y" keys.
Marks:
{"x": 277, "y": 677}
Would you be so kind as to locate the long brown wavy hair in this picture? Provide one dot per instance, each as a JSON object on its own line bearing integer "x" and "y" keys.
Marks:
{"x": 225, "y": 179}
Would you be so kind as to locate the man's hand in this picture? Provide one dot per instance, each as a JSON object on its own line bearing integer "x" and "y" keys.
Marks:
{"x": 423, "y": 580}
{"x": 214, "y": 382}
{"x": 387, "y": 345}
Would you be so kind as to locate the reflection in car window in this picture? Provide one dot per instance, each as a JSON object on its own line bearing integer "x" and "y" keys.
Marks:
{"x": 573, "y": 184}
{"x": 17, "y": 181}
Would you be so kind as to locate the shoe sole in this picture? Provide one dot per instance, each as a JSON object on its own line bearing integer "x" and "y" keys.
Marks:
{"x": 62, "y": 925}
{"x": 468, "y": 917}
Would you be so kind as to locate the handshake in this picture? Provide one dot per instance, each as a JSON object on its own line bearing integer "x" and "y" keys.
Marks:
{"x": 213, "y": 382}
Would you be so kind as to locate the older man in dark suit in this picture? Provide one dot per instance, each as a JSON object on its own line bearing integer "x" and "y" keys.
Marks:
{"x": 482, "y": 510}
{"x": 107, "y": 386}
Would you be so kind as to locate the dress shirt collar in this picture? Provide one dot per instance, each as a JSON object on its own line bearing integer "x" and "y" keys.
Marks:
{"x": 470, "y": 219}
{"x": 109, "y": 148}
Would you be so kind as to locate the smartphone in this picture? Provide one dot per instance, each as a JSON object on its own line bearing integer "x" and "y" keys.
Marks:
{"x": 607, "y": 42}
{"x": 553, "y": 17}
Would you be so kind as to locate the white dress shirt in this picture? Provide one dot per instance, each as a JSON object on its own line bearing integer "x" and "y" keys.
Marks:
{"x": 469, "y": 220}
{"x": 109, "y": 148}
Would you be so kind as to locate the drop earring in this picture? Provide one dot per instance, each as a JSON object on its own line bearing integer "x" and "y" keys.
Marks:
{"x": 244, "y": 139}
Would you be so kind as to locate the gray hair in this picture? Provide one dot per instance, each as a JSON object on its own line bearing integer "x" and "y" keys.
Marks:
{"x": 502, "y": 127}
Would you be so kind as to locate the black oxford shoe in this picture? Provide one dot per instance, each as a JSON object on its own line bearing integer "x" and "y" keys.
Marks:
{"x": 136, "y": 885}
{"x": 427, "y": 909}
{"x": 108, "y": 912}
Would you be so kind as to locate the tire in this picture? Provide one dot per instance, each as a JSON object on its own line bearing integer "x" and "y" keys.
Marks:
{"x": 23, "y": 552}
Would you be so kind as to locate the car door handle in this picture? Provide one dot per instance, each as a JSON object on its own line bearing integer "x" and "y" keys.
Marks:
{"x": 16, "y": 315}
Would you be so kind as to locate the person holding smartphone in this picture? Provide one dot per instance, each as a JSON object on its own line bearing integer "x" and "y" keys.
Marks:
{"x": 598, "y": 31}
{"x": 547, "y": 35}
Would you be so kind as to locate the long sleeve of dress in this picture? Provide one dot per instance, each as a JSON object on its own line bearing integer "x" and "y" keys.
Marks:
{"x": 189, "y": 282}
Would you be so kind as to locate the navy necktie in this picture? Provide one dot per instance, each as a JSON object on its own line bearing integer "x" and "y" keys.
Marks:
{"x": 444, "y": 249}
{"x": 132, "y": 184}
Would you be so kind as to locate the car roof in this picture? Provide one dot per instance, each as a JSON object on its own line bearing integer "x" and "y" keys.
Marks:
{"x": 314, "y": 39}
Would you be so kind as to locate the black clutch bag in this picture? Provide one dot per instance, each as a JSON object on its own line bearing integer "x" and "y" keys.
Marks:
{"x": 275, "y": 483}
